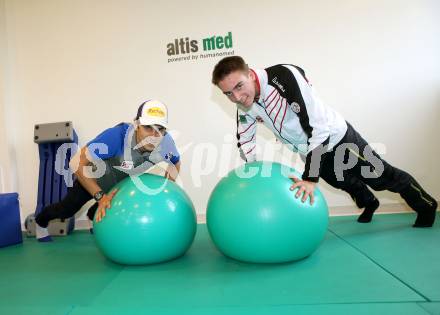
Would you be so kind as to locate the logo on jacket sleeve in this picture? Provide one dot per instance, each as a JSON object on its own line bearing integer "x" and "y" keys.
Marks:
{"x": 278, "y": 84}
{"x": 127, "y": 165}
{"x": 295, "y": 107}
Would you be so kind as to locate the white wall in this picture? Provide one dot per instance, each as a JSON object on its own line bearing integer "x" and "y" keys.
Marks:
{"x": 8, "y": 178}
{"x": 93, "y": 62}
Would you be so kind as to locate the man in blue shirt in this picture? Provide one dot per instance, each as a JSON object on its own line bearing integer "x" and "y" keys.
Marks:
{"x": 118, "y": 152}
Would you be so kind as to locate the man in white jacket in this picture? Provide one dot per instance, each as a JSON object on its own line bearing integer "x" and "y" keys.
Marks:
{"x": 283, "y": 100}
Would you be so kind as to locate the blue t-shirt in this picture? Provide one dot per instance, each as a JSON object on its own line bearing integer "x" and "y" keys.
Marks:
{"x": 115, "y": 157}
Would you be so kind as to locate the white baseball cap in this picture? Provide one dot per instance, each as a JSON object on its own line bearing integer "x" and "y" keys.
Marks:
{"x": 152, "y": 112}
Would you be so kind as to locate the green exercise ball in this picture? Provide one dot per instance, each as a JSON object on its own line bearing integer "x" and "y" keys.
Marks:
{"x": 151, "y": 220}
{"x": 253, "y": 216}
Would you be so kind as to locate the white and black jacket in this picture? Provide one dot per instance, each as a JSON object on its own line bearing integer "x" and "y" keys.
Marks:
{"x": 289, "y": 107}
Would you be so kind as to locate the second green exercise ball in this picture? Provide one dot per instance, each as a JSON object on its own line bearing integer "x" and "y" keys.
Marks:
{"x": 253, "y": 216}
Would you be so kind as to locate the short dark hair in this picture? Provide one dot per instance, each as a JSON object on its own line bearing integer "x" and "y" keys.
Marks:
{"x": 226, "y": 66}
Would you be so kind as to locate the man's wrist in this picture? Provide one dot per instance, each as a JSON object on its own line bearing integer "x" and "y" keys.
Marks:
{"x": 98, "y": 195}
{"x": 310, "y": 179}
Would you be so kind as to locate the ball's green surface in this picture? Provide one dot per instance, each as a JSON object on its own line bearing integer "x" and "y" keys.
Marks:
{"x": 151, "y": 220}
{"x": 253, "y": 216}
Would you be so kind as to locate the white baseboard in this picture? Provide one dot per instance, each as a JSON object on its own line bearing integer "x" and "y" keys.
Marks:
{"x": 383, "y": 209}
{"x": 84, "y": 224}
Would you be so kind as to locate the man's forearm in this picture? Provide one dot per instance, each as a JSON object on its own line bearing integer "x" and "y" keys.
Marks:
{"x": 89, "y": 184}
{"x": 80, "y": 166}
{"x": 172, "y": 171}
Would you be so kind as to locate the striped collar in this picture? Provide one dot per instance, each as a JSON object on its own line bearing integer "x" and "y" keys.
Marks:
{"x": 261, "y": 76}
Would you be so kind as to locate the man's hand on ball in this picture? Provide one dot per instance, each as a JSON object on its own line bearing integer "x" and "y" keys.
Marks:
{"x": 104, "y": 204}
{"x": 306, "y": 189}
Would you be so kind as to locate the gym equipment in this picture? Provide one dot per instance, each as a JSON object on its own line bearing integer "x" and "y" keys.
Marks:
{"x": 151, "y": 220}
{"x": 57, "y": 143}
{"x": 253, "y": 216}
{"x": 10, "y": 225}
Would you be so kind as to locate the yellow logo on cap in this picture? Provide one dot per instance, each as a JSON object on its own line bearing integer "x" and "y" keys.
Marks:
{"x": 156, "y": 112}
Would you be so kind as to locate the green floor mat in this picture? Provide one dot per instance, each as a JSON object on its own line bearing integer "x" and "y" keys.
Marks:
{"x": 336, "y": 309}
{"x": 338, "y": 278}
{"x": 68, "y": 271}
{"x": 336, "y": 273}
{"x": 35, "y": 310}
{"x": 432, "y": 308}
{"x": 412, "y": 255}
